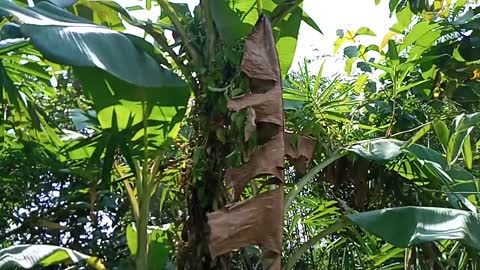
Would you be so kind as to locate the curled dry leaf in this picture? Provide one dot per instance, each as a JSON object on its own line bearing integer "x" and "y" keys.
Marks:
{"x": 260, "y": 60}
{"x": 301, "y": 152}
{"x": 268, "y": 160}
{"x": 244, "y": 224}
{"x": 267, "y": 106}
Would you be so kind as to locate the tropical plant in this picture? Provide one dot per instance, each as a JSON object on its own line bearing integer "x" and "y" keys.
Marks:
{"x": 160, "y": 153}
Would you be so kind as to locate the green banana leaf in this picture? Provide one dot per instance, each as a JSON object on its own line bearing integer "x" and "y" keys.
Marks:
{"x": 71, "y": 40}
{"x": 409, "y": 226}
{"x": 28, "y": 256}
{"x": 235, "y": 19}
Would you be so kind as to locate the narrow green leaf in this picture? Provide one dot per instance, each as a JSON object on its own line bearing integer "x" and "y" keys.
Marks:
{"x": 310, "y": 22}
{"x": 378, "y": 150}
{"x": 365, "y": 31}
{"x": 418, "y": 31}
{"x": 442, "y": 132}
{"x": 410, "y": 86}
{"x": 393, "y": 53}
{"x": 467, "y": 152}
{"x": 381, "y": 67}
{"x": 309, "y": 176}
{"x": 9, "y": 45}
{"x": 455, "y": 145}
{"x": 348, "y": 65}
{"x": 319, "y": 76}
{"x": 468, "y": 121}
{"x": 360, "y": 83}
{"x": 419, "y": 134}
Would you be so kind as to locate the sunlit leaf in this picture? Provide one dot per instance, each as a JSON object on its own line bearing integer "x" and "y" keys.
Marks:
{"x": 81, "y": 43}
{"x": 28, "y": 256}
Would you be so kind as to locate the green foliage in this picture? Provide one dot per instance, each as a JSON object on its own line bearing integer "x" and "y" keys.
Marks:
{"x": 27, "y": 256}
{"x": 101, "y": 130}
{"x": 409, "y": 226}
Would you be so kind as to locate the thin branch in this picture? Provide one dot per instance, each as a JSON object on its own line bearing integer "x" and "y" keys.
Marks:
{"x": 410, "y": 130}
{"x": 191, "y": 50}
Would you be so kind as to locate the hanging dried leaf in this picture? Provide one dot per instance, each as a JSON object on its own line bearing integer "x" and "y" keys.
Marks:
{"x": 260, "y": 56}
{"x": 243, "y": 223}
{"x": 341, "y": 168}
{"x": 268, "y": 160}
{"x": 301, "y": 152}
{"x": 267, "y": 106}
{"x": 360, "y": 181}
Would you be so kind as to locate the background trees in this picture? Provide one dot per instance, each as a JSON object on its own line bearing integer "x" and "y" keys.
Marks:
{"x": 117, "y": 147}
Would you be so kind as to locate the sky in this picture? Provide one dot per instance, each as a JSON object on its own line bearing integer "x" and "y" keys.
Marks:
{"x": 330, "y": 15}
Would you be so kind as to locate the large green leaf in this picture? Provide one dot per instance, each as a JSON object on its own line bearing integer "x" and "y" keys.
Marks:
{"x": 287, "y": 39}
{"x": 120, "y": 113}
{"x": 408, "y": 226}
{"x": 28, "y": 256}
{"x": 160, "y": 247}
{"x": 109, "y": 93}
{"x": 378, "y": 150}
{"x": 418, "y": 31}
{"x": 235, "y": 19}
{"x": 67, "y": 39}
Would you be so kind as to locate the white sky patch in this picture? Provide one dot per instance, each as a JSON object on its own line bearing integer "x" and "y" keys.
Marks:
{"x": 329, "y": 16}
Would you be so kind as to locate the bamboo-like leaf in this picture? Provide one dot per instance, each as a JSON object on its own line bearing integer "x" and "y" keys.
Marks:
{"x": 310, "y": 22}
{"x": 455, "y": 145}
{"x": 467, "y": 152}
{"x": 442, "y": 132}
{"x": 419, "y": 134}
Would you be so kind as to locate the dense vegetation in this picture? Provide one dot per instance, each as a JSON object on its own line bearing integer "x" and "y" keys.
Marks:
{"x": 195, "y": 148}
